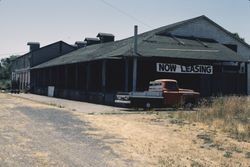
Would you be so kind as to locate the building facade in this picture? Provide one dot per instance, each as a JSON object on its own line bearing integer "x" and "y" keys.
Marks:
{"x": 206, "y": 28}
{"x": 22, "y": 65}
{"x": 198, "y": 53}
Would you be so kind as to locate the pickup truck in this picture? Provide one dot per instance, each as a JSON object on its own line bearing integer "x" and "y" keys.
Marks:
{"x": 161, "y": 93}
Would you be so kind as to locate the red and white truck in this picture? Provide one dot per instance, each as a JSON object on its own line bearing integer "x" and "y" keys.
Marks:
{"x": 161, "y": 93}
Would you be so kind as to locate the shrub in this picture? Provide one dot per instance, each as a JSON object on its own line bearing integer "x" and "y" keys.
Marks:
{"x": 5, "y": 84}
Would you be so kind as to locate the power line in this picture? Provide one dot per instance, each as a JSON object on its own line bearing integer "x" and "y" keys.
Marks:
{"x": 125, "y": 13}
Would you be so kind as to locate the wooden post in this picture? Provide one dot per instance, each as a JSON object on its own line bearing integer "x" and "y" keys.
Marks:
{"x": 66, "y": 77}
{"x": 44, "y": 77}
{"x": 247, "y": 75}
{"x": 88, "y": 77}
{"x": 76, "y": 77}
{"x": 21, "y": 85}
{"x": 32, "y": 79}
{"x": 50, "y": 77}
{"x": 57, "y": 80}
{"x": 126, "y": 74}
{"x": 104, "y": 63}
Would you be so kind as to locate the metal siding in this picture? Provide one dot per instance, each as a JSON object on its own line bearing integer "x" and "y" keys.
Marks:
{"x": 203, "y": 28}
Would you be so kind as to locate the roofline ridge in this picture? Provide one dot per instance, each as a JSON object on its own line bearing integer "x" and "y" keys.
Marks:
{"x": 226, "y": 31}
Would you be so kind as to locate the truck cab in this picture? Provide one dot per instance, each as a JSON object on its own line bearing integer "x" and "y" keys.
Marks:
{"x": 173, "y": 95}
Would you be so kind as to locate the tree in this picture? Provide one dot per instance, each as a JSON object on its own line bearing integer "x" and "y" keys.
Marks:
{"x": 5, "y": 68}
{"x": 5, "y": 72}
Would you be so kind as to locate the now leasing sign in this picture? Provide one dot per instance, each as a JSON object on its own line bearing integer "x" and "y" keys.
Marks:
{"x": 190, "y": 69}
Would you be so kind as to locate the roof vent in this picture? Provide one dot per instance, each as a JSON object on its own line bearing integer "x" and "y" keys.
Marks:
{"x": 92, "y": 41}
{"x": 80, "y": 44}
{"x": 33, "y": 46}
{"x": 106, "y": 37}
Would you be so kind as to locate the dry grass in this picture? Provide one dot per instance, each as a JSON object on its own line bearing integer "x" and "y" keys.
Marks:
{"x": 147, "y": 140}
{"x": 230, "y": 114}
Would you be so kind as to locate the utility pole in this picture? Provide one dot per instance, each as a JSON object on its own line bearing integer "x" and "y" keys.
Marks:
{"x": 135, "y": 58}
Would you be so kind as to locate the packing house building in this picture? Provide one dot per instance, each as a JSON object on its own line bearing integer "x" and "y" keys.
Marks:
{"x": 22, "y": 65}
{"x": 198, "y": 53}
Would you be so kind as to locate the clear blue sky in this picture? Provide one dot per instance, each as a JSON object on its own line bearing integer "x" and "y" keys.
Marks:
{"x": 48, "y": 21}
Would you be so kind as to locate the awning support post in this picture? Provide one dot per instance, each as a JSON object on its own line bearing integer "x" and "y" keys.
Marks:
{"x": 135, "y": 58}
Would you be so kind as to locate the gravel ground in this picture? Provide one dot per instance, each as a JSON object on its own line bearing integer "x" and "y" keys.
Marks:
{"x": 70, "y": 133}
{"x": 33, "y": 134}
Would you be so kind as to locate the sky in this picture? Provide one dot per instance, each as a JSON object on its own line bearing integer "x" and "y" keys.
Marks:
{"x": 49, "y": 21}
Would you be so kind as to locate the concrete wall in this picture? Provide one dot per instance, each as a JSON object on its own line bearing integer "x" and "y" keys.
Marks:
{"x": 205, "y": 29}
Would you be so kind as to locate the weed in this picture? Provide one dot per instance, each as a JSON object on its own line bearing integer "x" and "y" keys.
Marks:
{"x": 228, "y": 154}
{"x": 206, "y": 137}
{"x": 52, "y": 104}
{"x": 196, "y": 164}
{"x": 176, "y": 121}
{"x": 236, "y": 149}
{"x": 248, "y": 155}
{"x": 165, "y": 162}
{"x": 60, "y": 106}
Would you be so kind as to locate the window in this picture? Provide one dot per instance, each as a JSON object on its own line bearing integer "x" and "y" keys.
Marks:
{"x": 171, "y": 86}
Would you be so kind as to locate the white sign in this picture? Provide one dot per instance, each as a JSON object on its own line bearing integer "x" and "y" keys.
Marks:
{"x": 51, "y": 90}
{"x": 191, "y": 69}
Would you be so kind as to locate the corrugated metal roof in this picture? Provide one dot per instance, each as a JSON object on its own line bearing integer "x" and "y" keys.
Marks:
{"x": 163, "y": 46}
{"x": 151, "y": 45}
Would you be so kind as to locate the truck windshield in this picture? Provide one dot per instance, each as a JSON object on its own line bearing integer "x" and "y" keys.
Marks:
{"x": 171, "y": 86}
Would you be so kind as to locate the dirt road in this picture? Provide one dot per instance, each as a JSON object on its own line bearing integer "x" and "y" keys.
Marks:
{"x": 36, "y": 134}
{"x": 33, "y": 134}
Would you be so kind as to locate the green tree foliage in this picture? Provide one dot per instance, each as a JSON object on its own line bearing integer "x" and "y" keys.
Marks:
{"x": 5, "y": 72}
{"x": 5, "y": 68}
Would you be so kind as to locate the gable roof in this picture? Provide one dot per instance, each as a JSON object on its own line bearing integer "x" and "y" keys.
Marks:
{"x": 44, "y": 47}
{"x": 226, "y": 31}
{"x": 151, "y": 44}
{"x": 213, "y": 23}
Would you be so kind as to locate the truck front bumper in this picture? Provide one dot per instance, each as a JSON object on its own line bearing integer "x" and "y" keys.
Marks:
{"x": 123, "y": 101}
